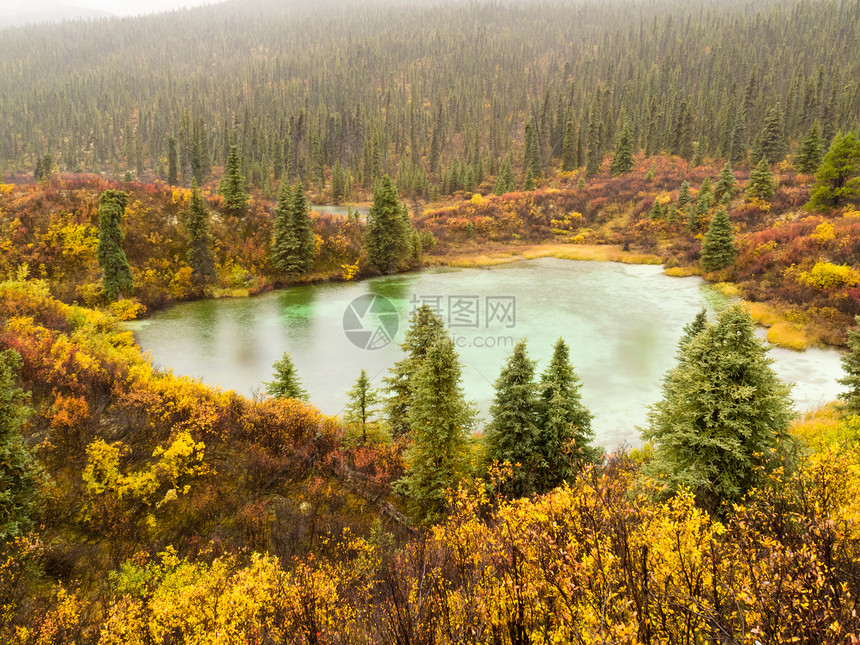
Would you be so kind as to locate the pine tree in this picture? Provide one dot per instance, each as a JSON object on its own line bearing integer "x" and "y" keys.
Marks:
{"x": 684, "y": 196}
{"x": 809, "y": 153}
{"x": 761, "y": 184}
{"x": 722, "y": 414}
{"x": 172, "y": 162}
{"x": 771, "y": 143}
{"x": 116, "y": 272}
{"x": 738, "y": 150}
{"x": 232, "y": 185}
{"x": 851, "y": 367}
{"x": 339, "y": 183}
{"x": 201, "y": 258}
{"x": 300, "y": 219}
{"x": 505, "y": 180}
{"x": 718, "y": 249}
{"x": 441, "y": 420}
{"x": 387, "y": 233}
{"x": 565, "y": 423}
{"x": 425, "y": 328}
{"x": 683, "y": 132}
{"x": 531, "y": 157}
{"x": 529, "y": 182}
{"x": 595, "y": 151}
{"x": 691, "y": 330}
{"x": 837, "y": 180}
{"x": 21, "y": 477}
{"x": 284, "y": 241}
{"x": 513, "y": 435}
{"x": 727, "y": 185}
{"x": 362, "y": 402}
{"x": 656, "y": 211}
{"x": 622, "y": 162}
{"x": 569, "y": 160}
{"x": 285, "y": 384}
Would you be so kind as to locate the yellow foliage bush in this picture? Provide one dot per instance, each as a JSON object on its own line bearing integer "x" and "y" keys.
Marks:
{"x": 825, "y": 275}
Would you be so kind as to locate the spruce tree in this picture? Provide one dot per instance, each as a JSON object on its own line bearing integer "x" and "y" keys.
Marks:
{"x": 684, "y": 196}
{"x": 441, "y": 421}
{"x": 622, "y": 162}
{"x": 201, "y": 258}
{"x": 505, "y": 180}
{"x": 425, "y": 328}
{"x": 565, "y": 423}
{"x": 172, "y": 162}
{"x": 285, "y": 383}
{"x": 21, "y": 477}
{"x": 656, "y": 211}
{"x": 513, "y": 435}
{"x": 529, "y": 182}
{"x": 837, "y": 180}
{"x": 718, "y": 249}
{"x": 569, "y": 160}
{"x": 683, "y": 132}
{"x": 531, "y": 157}
{"x": 300, "y": 220}
{"x": 594, "y": 155}
{"x": 232, "y": 185}
{"x": 809, "y": 153}
{"x": 339, "y": 183}
{"x": 691, "y": 330}
{"x": 727, "y": 185}
{"x": 387, "y": 233}
{"x": 722, "y": 414}
{"x": 116, "y": 272}
{"x": 738, "y": 150}
{"x": 771, "y": 143}
{"x": 284, "y": 243}
{"x": 363, "y": 400}
{"x": 761, "y": 184}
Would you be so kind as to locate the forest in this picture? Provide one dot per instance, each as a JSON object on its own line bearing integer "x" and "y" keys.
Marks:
{"x": 179, "y": 156}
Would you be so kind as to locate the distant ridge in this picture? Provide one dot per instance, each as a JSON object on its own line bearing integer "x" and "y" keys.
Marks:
{"x": 44, "y": 11}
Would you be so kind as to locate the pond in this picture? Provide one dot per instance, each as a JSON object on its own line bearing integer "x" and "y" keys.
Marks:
{"x": 340, "y": 210}
{"x": 622, "y": 323}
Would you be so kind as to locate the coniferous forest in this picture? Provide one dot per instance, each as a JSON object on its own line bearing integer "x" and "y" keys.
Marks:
{"x": 183, "y": 156}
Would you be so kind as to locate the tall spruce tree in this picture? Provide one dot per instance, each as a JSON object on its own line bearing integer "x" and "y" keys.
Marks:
{"x": 201, "y": 257}
{"x": 532, "y": 157}
{"x": 300, "y": 221}
{"x": 738, "y": 148}
{"x": 232, "y": 185}
{"x": 684, "y": 195}
{"x": 116, "y": 272}
{"x": 284, "y": 243}
{"x": 722, "y": 415}
{"x": 761, "y": 183}
{"x": 387, "y": 233}
{"x": 172, "y": 162}
{"x": 425, "y": 328}
{"x": 727, "y": 185}
{"x": 837, "y": 180}
{"x": 569, "y": 160}
{"x": 505, "y": 180}
{"x": 21, "y": 478}
{"x": 513, "y": 435}
{"x": 719, "y": 250}
{"x": 285, "y": 383}
{"x": 809, "y": 153}
{"x": 361, "y": 408}
{"x": 441, "y": 421}
{"x": 851, "y": 367}
{"x": 622, "y": 162}
{"x": 565, "y": 423}
{"x": 771, "y": 143}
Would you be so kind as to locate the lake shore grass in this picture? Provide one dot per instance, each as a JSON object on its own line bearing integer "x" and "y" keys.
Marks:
{"x": 493, "y": 256}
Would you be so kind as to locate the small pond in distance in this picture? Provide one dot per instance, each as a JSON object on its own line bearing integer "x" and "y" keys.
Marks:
{"x": 622, "y": 323}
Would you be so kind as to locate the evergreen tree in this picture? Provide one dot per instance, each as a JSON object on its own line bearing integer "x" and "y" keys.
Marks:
{"x": 531, "y": 158}
{"x": 837, "y": 180}
{"x": 362, "y": 401}
{"x": 692, "y": 329}
{"x": 738, "y": 149}
{"x": 232, "y": 185}
{"x": 656, "y": 211}
{"x": 201, "y": 258}
{"x": 300, "y": 220}
{"x": 684, "y": 196}
{"x": 718, "y": 249}
{"x": 505, "y": 180}
{"x": 851, "y": 367}
{"x": 286, "y": 383}
{"x": 441, "y": 421}
{"x": 284, "y": 243}
{"x": 20, "y": 475}
{"x": 116, "y": 272}
{"x": 721, "y": 416}
{"x": 513, "y": 435}
{"x": 761, "y": 184}
{"x": 569, "y": 159}
{"x": 387, "y": 233}
{"x": 727, "y": 185}
{"x": 809, "y": 152}
{"x": 529, "y": 182}
{"x": 425, "y": 328}
{"x": 565, "y": 423}
{"x": 683, "y": 133}
{"x": 771, "y": 143}
{"x": 339, "y": 183}
{"x": 595, "y": 151}
{"x": 622, "y": 162}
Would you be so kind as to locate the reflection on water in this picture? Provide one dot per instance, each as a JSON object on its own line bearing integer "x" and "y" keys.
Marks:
{"x": 622, "y": 323}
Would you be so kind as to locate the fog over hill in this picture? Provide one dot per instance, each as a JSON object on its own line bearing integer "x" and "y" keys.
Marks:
{"x": 21, "y": 12}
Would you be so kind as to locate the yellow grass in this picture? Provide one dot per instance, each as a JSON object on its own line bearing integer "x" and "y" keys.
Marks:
{"x": 763, "y": 314}
{"x": 728, "y": 289}
{"x": 230, "y": 293}
{"x": 681, "y": 272}
{"x": 594, "y": 252}
{"x": 789, "y": 335}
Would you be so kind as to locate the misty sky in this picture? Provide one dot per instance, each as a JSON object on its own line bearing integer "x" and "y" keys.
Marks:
{"x": 116, "y": 7}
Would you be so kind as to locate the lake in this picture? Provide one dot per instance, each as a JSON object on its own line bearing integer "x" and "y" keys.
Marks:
{"x": 340, "y": 210}
{"x": 622, "y": 323}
